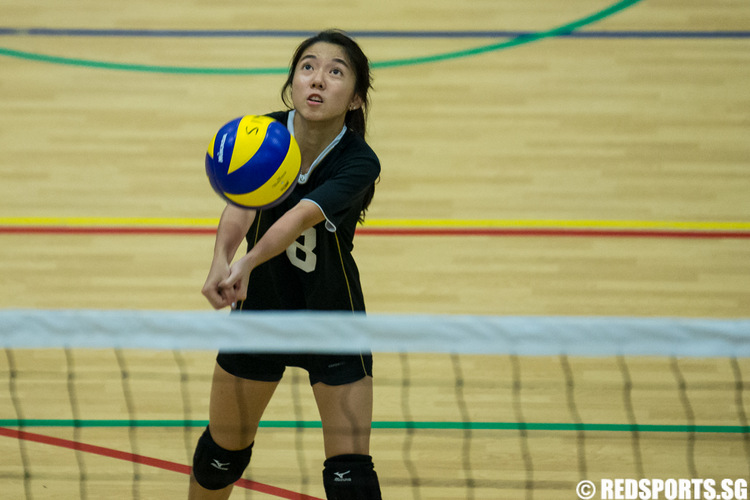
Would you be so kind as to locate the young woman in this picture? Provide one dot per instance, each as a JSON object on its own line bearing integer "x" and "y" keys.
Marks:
{"x": 299, "y": 257}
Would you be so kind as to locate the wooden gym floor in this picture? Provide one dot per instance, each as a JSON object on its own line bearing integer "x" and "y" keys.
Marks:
{"x": 598, "y": 169}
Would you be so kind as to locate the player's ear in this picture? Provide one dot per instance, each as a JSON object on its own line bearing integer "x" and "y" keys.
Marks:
{"x": 356, "y": 103}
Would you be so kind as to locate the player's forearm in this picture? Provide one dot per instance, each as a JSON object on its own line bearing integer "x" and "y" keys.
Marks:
{"x": 233, "y": 226}
{"x": 283, "y": 233}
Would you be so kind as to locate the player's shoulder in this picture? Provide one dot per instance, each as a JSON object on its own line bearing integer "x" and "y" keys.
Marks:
{"x": 355, "y": 146}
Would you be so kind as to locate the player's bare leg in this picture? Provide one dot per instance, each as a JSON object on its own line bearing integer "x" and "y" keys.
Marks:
{"x": 346, "y": 414}
{"x": 235, "y": 410}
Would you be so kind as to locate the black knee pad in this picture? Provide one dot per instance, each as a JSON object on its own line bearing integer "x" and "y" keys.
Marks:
{"x": 214, "y": 467}
{"x": 351, "y": 477}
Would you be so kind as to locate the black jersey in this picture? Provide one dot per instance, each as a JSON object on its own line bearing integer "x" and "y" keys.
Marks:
{"x": 318, "y": 271}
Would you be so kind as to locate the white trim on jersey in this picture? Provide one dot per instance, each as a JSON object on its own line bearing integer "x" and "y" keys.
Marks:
{"x": 304, "y": 177}
{"x": 330, "y": 226}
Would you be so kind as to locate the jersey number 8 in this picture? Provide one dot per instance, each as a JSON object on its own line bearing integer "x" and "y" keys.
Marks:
{"x": 301, "y": 253}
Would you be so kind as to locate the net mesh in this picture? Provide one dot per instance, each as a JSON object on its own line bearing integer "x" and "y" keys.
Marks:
{"x": 84, "y": 420}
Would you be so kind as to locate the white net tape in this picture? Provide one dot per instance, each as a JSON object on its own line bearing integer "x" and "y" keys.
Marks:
{"x": 346, "y": 332}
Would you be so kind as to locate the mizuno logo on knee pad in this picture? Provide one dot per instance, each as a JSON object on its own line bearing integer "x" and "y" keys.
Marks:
{"x": 214, "y": 467}
{"x": 340, "y": 477}
{"x": 351, "y": 477}
{"x": 219, "y": 465}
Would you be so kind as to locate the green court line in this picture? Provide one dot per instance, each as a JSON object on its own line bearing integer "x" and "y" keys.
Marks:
{"x": 411, "y": 61}
{"x": 313, "y": 424}
{"x": 88, "y": 63}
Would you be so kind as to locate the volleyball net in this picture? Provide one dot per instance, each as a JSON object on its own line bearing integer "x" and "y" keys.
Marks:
{"x": 110, "y": 404}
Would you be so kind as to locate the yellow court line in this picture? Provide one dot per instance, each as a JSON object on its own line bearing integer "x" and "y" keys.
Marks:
{"x": 108, "y": 221}
{"x": 388, "y": 223}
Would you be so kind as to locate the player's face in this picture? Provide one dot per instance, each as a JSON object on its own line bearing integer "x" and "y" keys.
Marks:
{"x": 323, "y": 85}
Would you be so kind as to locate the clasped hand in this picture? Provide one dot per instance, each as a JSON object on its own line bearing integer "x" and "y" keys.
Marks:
{"x": 225, "y": 284}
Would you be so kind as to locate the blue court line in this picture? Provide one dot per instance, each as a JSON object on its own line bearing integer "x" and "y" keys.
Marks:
{"x": 449, "y": 34}
{"x": 393, "y": 425}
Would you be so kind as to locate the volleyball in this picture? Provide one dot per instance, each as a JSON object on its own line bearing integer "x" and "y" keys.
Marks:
{"x": 253, "y": 162}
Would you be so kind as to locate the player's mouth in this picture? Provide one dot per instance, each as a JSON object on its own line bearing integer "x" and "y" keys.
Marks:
{"x": 314, "y": 99}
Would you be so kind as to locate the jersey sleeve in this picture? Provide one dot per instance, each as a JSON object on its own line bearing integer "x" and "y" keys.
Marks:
{"x": 346, "y": 188}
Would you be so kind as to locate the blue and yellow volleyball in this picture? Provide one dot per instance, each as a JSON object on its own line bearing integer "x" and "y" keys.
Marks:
{"x": 253, "y": 162}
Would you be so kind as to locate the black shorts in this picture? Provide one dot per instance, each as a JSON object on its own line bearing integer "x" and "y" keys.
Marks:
{"x": 331, "y": 369}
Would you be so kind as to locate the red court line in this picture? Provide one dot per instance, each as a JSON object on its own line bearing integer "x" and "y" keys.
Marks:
{"x": 140, "y": 459}
{"x": 396, "y": 231}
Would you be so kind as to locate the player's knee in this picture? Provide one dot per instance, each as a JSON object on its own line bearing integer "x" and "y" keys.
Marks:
{"x": 214, "y": 467}
{"x": 351, "y": 477}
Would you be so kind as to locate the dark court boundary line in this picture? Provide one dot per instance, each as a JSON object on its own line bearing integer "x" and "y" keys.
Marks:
{"x": 449, "y": 34}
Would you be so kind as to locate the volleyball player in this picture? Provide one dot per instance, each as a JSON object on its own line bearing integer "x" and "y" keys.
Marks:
{"x": 299, "y": 258}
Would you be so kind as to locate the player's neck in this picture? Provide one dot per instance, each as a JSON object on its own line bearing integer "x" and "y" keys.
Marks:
{"x": 314, "y": 137}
